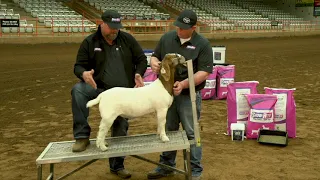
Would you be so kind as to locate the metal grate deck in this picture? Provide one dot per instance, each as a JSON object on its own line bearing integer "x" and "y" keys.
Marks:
{"x": 57, "y": 152}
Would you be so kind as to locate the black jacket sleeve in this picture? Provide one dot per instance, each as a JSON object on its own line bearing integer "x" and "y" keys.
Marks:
{"x": 139, "y": 58}
{"x": 82, "y": 61}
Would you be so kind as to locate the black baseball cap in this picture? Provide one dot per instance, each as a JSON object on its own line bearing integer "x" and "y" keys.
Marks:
{"x": 186, "y": 19}
{"x": 112, "y": 18}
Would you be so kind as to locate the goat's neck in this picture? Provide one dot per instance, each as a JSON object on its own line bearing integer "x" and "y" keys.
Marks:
{"x": 168, "y": 85}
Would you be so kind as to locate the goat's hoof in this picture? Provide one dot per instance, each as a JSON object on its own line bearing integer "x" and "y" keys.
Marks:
{"x": 164, "y": 138}
{"x": 101, "y": 145}
{"x": 103, "y": 148}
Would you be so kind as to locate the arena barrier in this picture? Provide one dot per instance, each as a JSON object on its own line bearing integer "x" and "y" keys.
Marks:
{"x": 37, "y": 27}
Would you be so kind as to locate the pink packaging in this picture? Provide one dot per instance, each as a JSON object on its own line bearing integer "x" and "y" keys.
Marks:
{"x": 209, "y": 91}
{"x": 225, "y": 76}
{"x": 149, "y": 76}
{"x": 261, "y": 114}
{"x": 285, "y": 110}
{"x": 237, "y": 104}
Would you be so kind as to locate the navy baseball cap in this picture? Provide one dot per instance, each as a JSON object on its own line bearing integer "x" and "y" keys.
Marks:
{"x": 186, "y": 19}
{"x": 112, "y": 18}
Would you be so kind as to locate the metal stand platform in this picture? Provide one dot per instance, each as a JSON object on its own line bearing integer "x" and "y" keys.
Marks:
{"x": 57, "y": 152}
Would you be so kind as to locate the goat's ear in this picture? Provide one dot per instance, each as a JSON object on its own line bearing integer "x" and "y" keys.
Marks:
{"x": 165, "y": 71}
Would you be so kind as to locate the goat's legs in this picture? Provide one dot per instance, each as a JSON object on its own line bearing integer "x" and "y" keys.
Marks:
{"x": 161, "y": 115}
{"x": 105, "y": 124}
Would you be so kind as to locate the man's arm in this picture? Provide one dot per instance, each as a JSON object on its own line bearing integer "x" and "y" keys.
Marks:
{"x": 205, "y": 65}
{"x": 156, "y": 57}
{"x": 199, "y": 77}
{"x": 82, "y": 60}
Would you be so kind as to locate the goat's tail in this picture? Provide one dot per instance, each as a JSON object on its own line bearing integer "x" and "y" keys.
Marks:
{"x": 94, "y": 101}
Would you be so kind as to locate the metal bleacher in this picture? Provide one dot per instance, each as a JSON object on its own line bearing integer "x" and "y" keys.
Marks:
{"x": 274, "y": 14}
{"x": 233, "y": 15}
{"x": 6, "y": 13}
{"x": 132, "y": 10}
{"x": 245, "y": 15}
{"x": 204, "y": 16}
{"x": 129, "y": 9}
{"x": 56, "y": 16}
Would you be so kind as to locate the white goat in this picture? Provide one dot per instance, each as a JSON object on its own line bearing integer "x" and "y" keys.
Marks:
{"x": 135, "y": 102}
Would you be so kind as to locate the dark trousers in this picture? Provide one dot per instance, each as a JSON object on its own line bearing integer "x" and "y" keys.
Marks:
{"x": 181, "y": 112}
{"x": 82, "y": 93}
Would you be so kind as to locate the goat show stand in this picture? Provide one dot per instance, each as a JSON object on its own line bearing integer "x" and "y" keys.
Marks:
{"x": 58, "y": 152}
{"x": 135, "y": 145}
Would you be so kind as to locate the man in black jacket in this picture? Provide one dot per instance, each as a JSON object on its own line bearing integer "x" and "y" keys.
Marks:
{"x": 107, "y": 58}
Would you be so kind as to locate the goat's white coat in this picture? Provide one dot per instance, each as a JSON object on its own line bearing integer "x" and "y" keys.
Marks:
{"x": 131, "y": 103}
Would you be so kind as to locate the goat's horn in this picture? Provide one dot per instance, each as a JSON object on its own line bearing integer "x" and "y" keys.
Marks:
{"x": 182, "y": 58}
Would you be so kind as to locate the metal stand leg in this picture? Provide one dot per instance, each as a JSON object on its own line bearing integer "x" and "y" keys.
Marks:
{"x": 77, "y": 169}
{"x": 162, "y": 165}
{"x": 51, "y": 171}
{"x": 187, "y": 164}
{"x": 40, "y": 172}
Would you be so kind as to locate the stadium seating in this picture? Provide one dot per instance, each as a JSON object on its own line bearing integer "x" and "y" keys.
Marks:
{"x": 56, "y": 16}
{"x": 215, "y": 15}
{"x": 203, "y": 11}
{"x": 245, "y": 15}
{"x": 285, "y": 19}
{"x": 6, "y": 13}
{"x": 131, "y": 10}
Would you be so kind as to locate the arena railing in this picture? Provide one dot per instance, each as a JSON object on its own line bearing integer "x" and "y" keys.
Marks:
{"x": 84, "y": 27}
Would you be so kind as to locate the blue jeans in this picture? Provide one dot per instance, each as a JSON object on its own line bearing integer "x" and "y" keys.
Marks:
{"x": 81, "y": 93}
{"x": 181, "y": 112}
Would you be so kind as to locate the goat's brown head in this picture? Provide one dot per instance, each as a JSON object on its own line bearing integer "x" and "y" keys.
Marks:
{"x": 168, "y": 68}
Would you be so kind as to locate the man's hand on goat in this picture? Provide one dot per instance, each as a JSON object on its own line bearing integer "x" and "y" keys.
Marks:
{"x": 138, "y": 80}
{"x": 177, "y": 88}
{"x": 155, "y": 64}
{"x": 87, "y": 76}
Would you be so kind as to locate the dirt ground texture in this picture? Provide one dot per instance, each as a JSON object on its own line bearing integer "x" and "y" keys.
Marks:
{"x": 35, "y": 108}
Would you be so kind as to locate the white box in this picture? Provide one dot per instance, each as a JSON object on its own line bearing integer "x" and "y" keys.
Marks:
{"x": 237, "y": 131}
{"x": 148, "y": 57}
{"x": 219, "y": 54}
{"x": 148, "y": 53}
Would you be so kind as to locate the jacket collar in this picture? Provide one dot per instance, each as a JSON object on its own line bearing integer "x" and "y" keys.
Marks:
{"x": 98, "y": 34}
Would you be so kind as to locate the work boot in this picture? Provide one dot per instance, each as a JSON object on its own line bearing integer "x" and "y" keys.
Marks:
{"x": 80, "y": 145}
{"x": 156, "y": 174}
{"x": 124, "y": 174}
{"x": 196, "y": 178}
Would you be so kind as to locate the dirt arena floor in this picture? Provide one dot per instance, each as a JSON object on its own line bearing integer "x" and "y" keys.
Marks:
{"x": 35, "y": 110}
